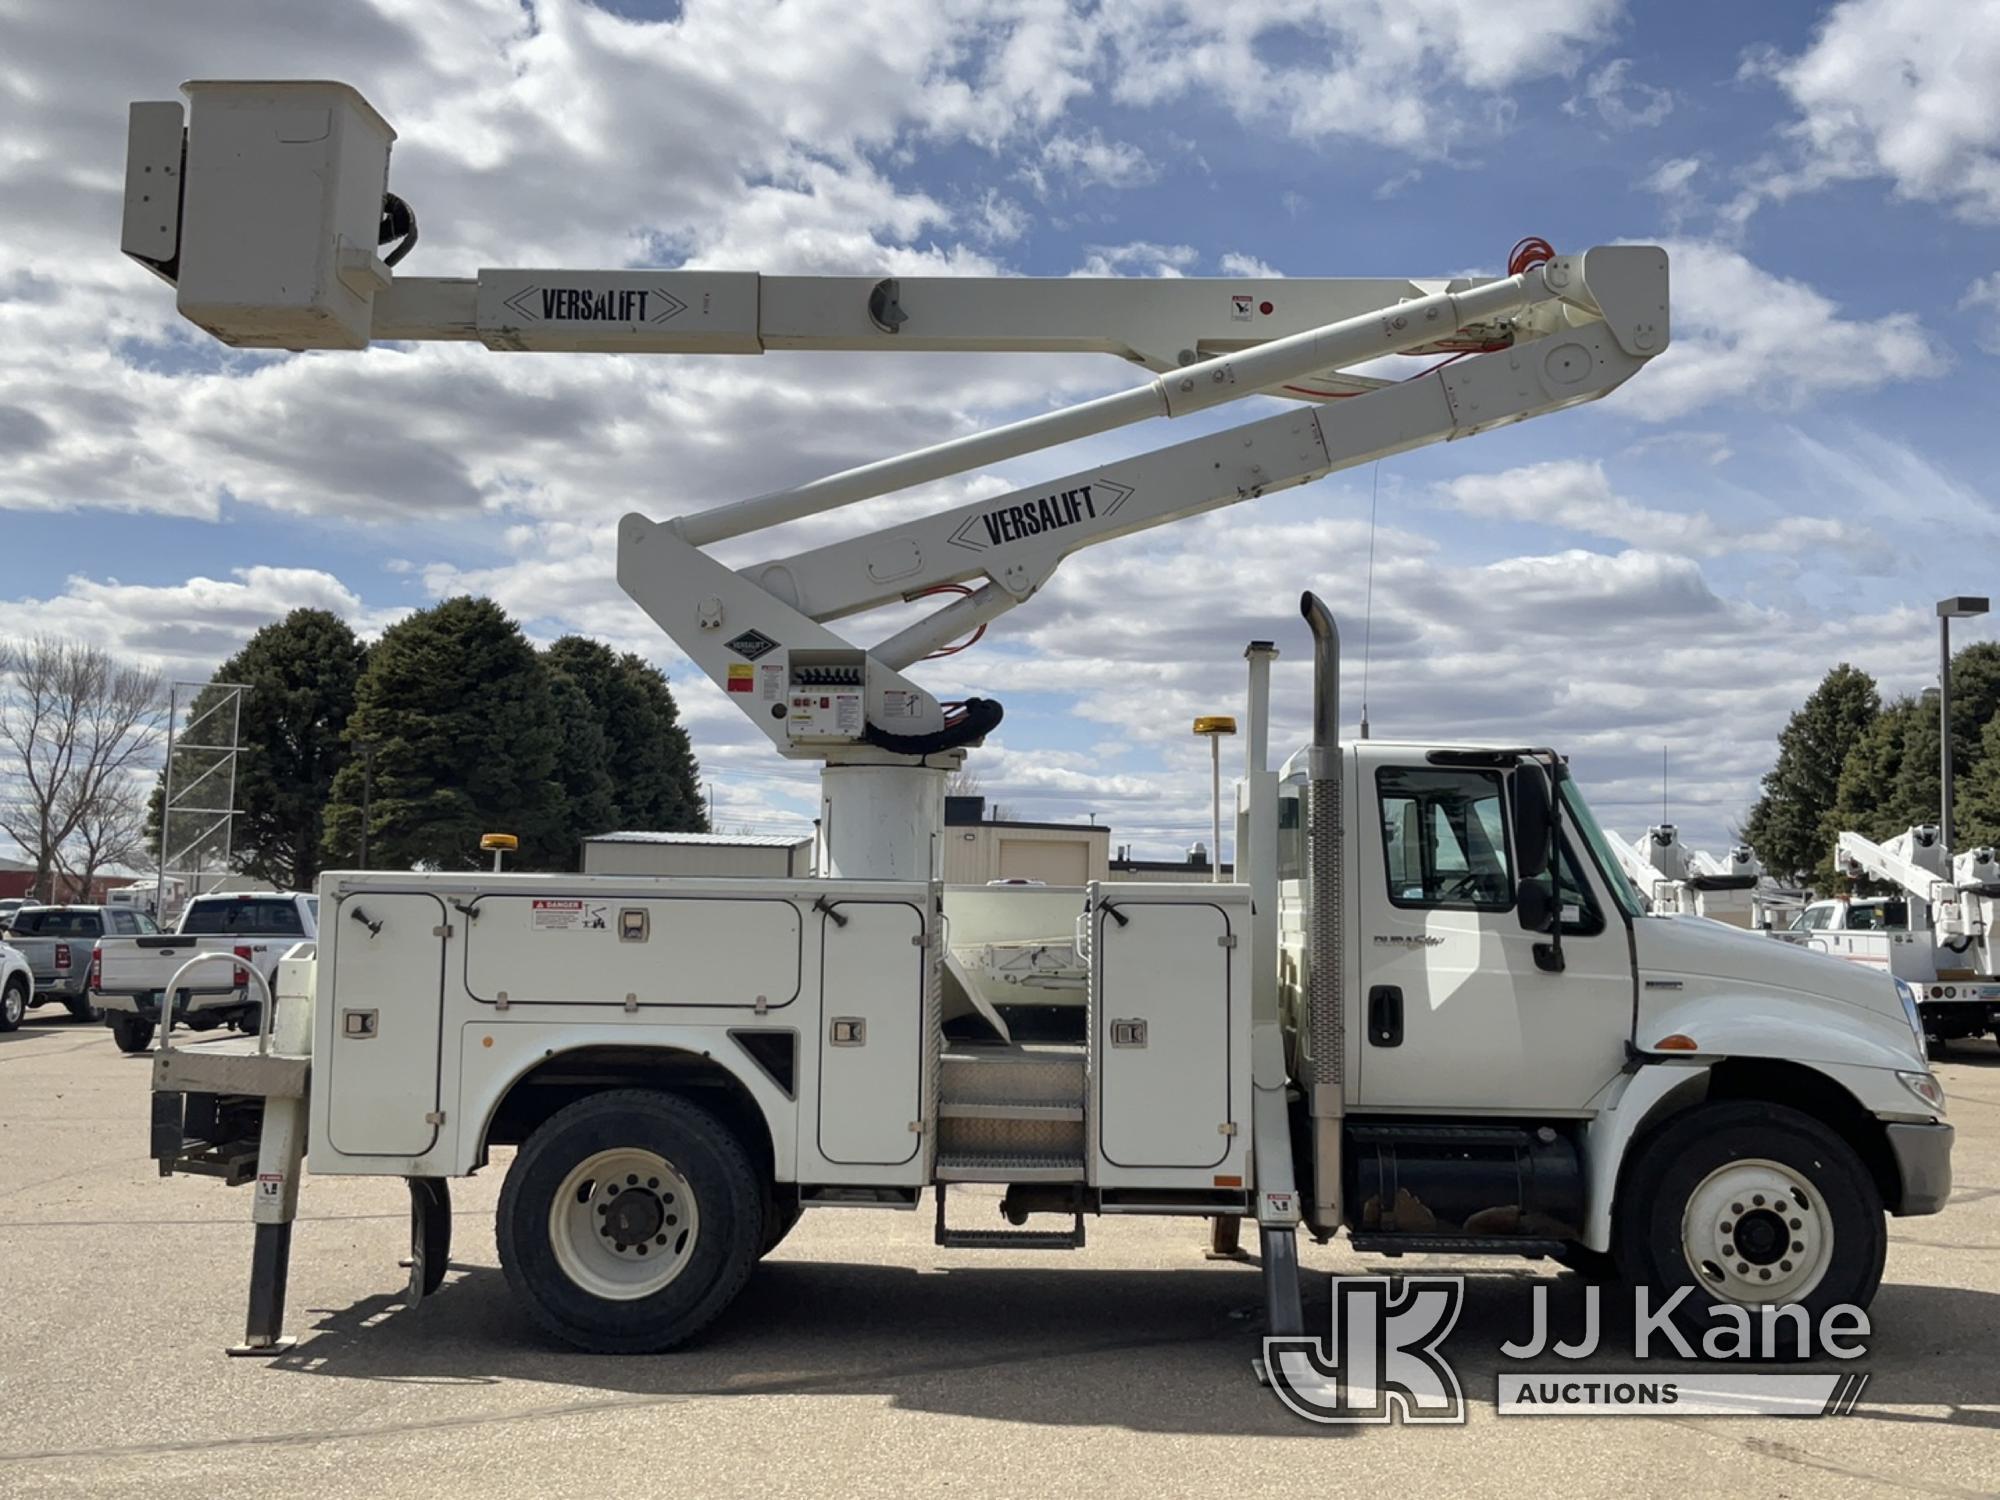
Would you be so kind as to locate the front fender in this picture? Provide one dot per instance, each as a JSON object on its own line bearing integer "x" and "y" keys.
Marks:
{"x": 1766, "y": 1023}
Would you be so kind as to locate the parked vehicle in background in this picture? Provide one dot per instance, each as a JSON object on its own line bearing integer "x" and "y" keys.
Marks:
{"x": 130, "y": 973}
{"x": 17, "y": 987}
{"x": 57, "y": 942}
{"x": 7, "y": 909}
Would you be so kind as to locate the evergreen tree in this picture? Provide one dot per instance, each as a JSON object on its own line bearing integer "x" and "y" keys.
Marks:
{"x": 655, "y": 782}
{"x": 1976, "y": 809}
{"x": 583, "y": 769}
{"x": 300, "y": 673}
{"x": 1787, "y": 825}
{"x": 462, "y": 717}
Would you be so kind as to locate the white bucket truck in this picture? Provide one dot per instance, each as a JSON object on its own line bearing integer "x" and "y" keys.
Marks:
{"x": 1398, "y": 1026}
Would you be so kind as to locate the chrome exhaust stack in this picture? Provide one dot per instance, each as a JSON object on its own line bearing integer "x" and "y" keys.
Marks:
{"x": 1326, "y": 1030}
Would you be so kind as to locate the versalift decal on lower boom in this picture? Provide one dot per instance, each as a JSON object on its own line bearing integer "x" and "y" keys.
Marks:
{"x": 1009, "y": 523}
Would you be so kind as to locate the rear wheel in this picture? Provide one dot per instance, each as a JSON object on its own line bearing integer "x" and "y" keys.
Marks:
{"x": 629, "y": 1221}
{"x": 1752, "y": 1204}
{"x": 13, "y": 1004}
{"x": 131, "y": 1034}
{"x": 82, "y": 1008}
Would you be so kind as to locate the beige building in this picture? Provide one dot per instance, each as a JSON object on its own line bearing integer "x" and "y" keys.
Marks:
{"x": 978, "y": 850}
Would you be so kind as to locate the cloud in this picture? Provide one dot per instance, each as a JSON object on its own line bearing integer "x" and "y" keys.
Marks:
{"x": 1089, "y": 160}
{"x": 1576, "y": 495}
{"x": 188, "y": 629}
{"x": 1139, "y": 258}
{"x": 1619, "y": 100}
{"x": 1896, "y": 89}
{"x": 1235, "y": 263}
{"x": 1745, "y": 335}
{"x": 1983, "y": 296}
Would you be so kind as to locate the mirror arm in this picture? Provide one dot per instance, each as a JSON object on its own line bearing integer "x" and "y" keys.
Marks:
{"x": 1549, "y": 956}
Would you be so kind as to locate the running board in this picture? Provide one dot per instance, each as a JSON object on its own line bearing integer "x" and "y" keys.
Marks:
{"x": 1454, "y": 1244}
{"x": 1007, "y": 1239}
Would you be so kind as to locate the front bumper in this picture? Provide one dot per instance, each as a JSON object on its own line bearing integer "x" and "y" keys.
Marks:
{"x": 1923, "y": 1162}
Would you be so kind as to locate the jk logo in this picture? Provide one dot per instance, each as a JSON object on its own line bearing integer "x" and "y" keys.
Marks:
{"x": 1380, "y": 1356}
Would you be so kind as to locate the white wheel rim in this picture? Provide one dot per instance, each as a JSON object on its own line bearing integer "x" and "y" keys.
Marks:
{"x": 624, "y": 1224}
{"x": 17, "y": 1006}
{"x": 1757, "y": 1232}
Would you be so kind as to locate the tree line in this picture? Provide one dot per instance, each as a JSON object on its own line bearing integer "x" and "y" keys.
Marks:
{"x": 1848, "y": 761}
{"x": 398, "y": 754}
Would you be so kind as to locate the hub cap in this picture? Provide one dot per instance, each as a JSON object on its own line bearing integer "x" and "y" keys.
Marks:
{"x": 15, "y": 1004}
{"x": 623, "y": 1224}
{"x": 1756, "y": 1231}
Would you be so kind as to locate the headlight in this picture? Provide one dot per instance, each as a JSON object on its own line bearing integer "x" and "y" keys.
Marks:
{"x": 1926, "y": 1088}
{"x": 1910, "y": 1012}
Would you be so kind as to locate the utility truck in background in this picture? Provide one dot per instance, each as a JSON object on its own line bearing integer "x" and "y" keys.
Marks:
{"x": 1674, "y": 880}
{"x": 1935, "y": 937}
{"x": 1430, "y": 1015}
{"x": 130, "y": 975}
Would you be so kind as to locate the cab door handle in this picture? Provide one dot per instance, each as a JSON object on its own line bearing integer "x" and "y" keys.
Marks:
{"x": 1385, "y": 1016}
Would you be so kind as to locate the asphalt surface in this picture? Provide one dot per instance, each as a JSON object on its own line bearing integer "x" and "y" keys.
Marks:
{"x": 861, "y": 1359}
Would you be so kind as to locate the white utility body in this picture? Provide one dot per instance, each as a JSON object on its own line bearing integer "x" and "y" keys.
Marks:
{"x": 1937, "y": 936}
{"x": 1460, "y": 1053}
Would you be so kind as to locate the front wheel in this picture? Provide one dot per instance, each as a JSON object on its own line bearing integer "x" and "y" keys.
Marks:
{"x": 629, "y": 1221}
{"x": 13, "y": 1005}
{"x": 1752, "y": 1204}
{"x": 131, "y": 1034}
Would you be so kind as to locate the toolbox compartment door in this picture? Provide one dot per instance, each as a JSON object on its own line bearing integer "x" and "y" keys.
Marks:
{"x": 871, "y": 1025}
{"x": 387, "y": 1017}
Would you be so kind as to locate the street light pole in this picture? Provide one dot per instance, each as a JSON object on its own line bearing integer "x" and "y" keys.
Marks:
{"x": 1958, "y": 607}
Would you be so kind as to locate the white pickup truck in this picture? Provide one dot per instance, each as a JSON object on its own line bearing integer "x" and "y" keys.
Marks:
{"x": 129, "y": 975}
{"x": 1956, "y": 1001}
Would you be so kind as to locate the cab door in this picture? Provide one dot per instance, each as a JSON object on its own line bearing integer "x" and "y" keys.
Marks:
{"x": 1454, "y": 1013}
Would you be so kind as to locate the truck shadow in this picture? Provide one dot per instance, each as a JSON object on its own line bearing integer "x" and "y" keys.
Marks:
{"x": 1150, "y": 1351}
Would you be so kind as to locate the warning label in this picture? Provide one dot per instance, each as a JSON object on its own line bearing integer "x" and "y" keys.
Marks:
{"x": 742, "y": 677}
{"x": 1239, "y": 309}
{"x": 270, "y": 1184}
{"x": 774, "y": 682}
{"x": 900, "y": 704}
{"x": 557, "y": 915}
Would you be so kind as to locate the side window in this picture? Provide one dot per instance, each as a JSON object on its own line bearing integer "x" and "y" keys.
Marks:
{"x": 147, "y": 926}
{"x": 1444, "y": 837}
{"x": 123, "y": 925}
{"x": 1291, "y": 835}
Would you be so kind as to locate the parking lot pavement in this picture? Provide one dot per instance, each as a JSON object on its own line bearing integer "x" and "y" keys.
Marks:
{"x": 862, "y": 1359}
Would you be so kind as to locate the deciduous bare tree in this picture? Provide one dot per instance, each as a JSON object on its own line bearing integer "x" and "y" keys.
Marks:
{"x": 75, "y": 721}
{"x": 110, "y": 831}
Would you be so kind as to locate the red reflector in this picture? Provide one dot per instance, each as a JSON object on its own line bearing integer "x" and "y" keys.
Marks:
{"x": 62, "y": 955}
{"x": 1266, "y": 309}
{"x": 96, "y": 968}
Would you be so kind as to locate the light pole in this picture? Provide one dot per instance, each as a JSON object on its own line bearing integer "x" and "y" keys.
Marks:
{"x": 1213, "y": 727}
{"x": 1957, "y": 607}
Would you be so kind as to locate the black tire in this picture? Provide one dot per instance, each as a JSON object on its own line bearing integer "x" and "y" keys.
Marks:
{"x": 13, "y": 1005}
{"x": 430, "y": 1229}
{"x": 131, "y": 1033}
{"x": 729, "y": 1202}
{"x": 1592, "y": 1265}
{"x": 84, "y": 1009}
{"x": 1671, "y": 1167}
{"x": 783, "y": 1212}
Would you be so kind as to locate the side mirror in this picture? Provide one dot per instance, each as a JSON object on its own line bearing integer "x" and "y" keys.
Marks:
{"x": 1536, "y": 906}
{"x": 1531, "y": 822}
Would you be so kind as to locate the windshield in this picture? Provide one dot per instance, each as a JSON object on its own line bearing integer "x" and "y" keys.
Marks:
{"x": 240, "y": 914}
{"x": 58, "y": 922}
{"x": 1579, "y": 815}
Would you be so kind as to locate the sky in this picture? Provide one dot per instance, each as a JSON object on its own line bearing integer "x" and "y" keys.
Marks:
{"x": 1651, "y": 583}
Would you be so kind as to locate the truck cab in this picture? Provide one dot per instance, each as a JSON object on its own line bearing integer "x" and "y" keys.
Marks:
{"x": 1522, "y": 1064}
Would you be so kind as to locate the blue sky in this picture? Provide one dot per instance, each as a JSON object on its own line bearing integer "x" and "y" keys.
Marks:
{"x": 1791, "y": 485}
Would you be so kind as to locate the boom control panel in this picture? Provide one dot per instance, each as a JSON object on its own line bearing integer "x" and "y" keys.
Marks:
{"x": 827, "y": 698}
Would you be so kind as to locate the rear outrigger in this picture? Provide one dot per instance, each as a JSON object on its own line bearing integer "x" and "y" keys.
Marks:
{"x": 1429, "y": 1015}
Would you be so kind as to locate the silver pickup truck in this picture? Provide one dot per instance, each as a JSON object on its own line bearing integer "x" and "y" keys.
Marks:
{"x": 57, "y": 941}
{"x": 257, "y": 928}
